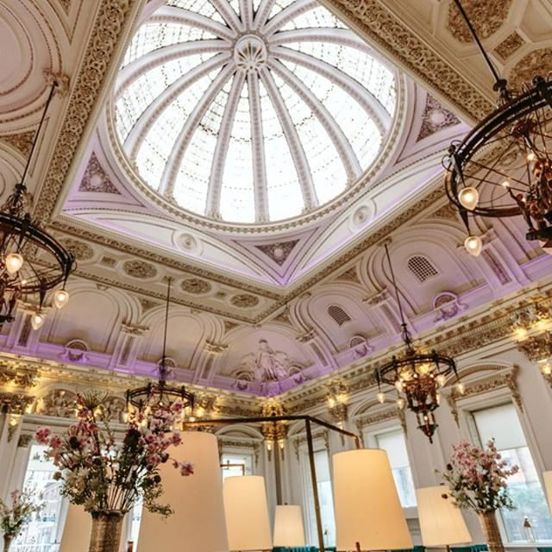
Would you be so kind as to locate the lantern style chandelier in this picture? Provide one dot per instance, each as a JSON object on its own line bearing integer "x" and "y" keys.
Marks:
{"x": 32, "y": 262}
{"x": 416, "y": 375}
{"x": 503, "y": 167}
{"x": 142, "y": 399}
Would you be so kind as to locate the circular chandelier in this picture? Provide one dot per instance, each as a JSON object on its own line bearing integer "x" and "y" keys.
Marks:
{"x": 503, "y": 167}
{"x": 416, "y": 375}
{"x": 160, "y": 392}
{"x": 32, "y": 262}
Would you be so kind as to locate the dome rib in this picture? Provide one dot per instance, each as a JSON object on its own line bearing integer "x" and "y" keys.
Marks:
{"x": 287, "y": 14}
{"x": 186, "y": 134}
{"x": 221, "y": 148}
{"x": 160, "y": 56}
{"x": 258, "y": 151}
{"x": 229, "y": 15}
{"x": 172, "y": 14}
{"x": 294, "y": 143}
{"x": 335, "y": 132}
{"x": 151, "y": 113}
{"x": 362, "y": 95}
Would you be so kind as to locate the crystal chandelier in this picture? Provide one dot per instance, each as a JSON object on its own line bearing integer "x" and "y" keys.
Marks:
{"x": 142, "y": 399}
{"x": 32, "y": 262}
{"x": 416, "y": 375}
{"x": 503, "y": 167}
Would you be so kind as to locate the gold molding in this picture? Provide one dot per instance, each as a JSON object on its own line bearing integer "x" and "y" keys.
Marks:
{"x": 107, "y": 32}
{"x": 376, "y": 22}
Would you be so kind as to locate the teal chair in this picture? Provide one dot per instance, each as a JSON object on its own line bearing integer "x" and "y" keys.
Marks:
{"x": 472, "y": 548}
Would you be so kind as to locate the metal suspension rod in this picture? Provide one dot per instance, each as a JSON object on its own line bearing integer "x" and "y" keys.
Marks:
{"x": 37, "y": 135}
{"x": 394, "y": 281}
{"x": 165, "y": 331}
{"x": 314, "y": 480}
{"x": 498, "y": 80}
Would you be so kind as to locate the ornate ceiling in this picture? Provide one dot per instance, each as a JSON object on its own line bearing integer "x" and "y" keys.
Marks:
{"x": 258, "y": 307}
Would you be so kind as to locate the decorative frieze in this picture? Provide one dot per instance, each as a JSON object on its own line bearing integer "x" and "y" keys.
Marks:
{"x": 503, "y": 379}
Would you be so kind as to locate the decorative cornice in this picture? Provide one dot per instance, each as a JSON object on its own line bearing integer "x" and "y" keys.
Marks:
{"x": 503, "y": 379}
{"x": 108, "y": 30}
{"x": 377, "y": 22}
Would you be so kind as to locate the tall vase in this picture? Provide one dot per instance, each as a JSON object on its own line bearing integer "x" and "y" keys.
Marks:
{"x": 7, "y": 542}
{"x": 106, "y": 531}
{"x": 489, "y": 525}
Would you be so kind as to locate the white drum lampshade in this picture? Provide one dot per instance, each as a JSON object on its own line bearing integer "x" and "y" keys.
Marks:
{"x": 441, "y": 522}
{"x": 288, "y": 526}
{"x": 246, "y": 509}
{"x": 197, "y": 524}
{"x": 547, "y": 479}
{"x": 368, "y": 512}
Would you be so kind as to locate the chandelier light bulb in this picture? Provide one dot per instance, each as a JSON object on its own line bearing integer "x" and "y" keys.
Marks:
{"x": 468, "y": 198}
{"x": 400, "y": 403}
{"x": 381, "y": 397}
{"x": 531, "y": 156}
{"x": 473, "y": 245}
{"x": 37, "y": 320}
{"x": 14, "y": 262}
{"x": 61, "y": 298}
{"x": 460, "y": 387}
{"x": 441, "y": 380}
{"x": 506, "y": 184}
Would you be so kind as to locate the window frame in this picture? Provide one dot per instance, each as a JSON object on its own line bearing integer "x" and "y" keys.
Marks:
{"x": 468, "y": 429}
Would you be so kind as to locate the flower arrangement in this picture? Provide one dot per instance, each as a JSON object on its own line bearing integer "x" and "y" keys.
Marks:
{"x": 477, "y": 478}
{"x": 105, "y": 471}
{"x": 14, "y": 517}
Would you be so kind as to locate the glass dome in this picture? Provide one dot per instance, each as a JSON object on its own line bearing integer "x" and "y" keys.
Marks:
{"x": 251, "y": 111}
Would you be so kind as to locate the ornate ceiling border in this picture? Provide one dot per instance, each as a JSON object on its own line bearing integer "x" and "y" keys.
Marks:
{"x": 112, "y": 21}
{"x": 376, "y": 22}
{"x": 463, "y": 338}
{"x": 147, "y": 254}
{"x": 414, "y": 211}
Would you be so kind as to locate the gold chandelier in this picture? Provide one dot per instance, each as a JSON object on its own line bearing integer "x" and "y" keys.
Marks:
{"x": 416, "y": 375}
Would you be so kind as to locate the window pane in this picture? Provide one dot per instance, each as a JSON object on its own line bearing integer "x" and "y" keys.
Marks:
{"x": 236, "y": 464}
{"x": 502, "y": 423}
{"x": 393, "y": 442}
{"x": 42, "y": 533}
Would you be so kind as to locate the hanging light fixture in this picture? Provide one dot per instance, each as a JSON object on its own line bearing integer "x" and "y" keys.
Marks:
{"x": 416, "y": 375}
{"x": 503, "y": 167}
{"x": 32, "y": 262}
{"x": 141, "y": 399}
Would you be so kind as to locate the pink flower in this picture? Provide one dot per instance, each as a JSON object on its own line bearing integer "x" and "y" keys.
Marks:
{"x": 42, "y": 435}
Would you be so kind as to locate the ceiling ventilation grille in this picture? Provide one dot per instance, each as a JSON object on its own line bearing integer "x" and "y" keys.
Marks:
{"x": 338, "y": 314}
{"x": 422, "y": 268}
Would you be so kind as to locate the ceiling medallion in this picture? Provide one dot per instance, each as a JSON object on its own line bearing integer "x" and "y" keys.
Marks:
{"x": 244, "y": 300}
{"x": 415, "y": 374}
{"x": 503, "y": 167}
{"x": 32, "y": 261}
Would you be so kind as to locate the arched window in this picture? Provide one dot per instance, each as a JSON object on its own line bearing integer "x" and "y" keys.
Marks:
{"x": 422, "y": 268}
{"x": 338, "y": 314}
